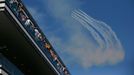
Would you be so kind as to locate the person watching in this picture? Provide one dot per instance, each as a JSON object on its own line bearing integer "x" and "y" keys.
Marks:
{"x": 14, "y": 5}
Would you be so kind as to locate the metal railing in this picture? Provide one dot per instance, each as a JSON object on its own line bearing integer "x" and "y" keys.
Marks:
{"x": 24, "y": 17}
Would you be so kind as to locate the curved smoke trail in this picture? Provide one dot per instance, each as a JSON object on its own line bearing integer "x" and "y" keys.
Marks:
{"x": 106, "y": 32}
{"x": 102, "y": 47}
{"x": 110, "y": 49}
{"x": 91, "y": 30}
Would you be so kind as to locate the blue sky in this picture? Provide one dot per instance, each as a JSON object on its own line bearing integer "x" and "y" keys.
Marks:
{"x": 73, "y": 42}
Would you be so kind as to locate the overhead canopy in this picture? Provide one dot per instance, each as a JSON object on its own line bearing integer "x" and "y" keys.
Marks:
{"x": 20, "y": 49}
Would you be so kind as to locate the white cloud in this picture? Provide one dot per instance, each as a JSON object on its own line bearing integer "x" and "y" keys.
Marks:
{"x": 77, "y": 46}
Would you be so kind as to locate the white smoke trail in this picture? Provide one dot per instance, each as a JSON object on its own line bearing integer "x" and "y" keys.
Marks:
{"x": 109, "y": 44}
{"x": 105, "y": 31}
{"x": 101, "y": 26}
{"x": 74, "y": 46}
{"x": 91, "y": 23}
{"x": 91, "y": 30}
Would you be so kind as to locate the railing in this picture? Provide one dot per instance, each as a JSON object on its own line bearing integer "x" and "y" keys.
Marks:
{"x": 9, "y": 67}
{"x": 24, "y": 17}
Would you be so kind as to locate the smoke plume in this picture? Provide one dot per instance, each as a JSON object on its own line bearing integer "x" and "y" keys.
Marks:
{"x": 81, "y": 39}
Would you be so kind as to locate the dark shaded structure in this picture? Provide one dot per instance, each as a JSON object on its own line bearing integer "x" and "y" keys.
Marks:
{"x": 24, "y": 49}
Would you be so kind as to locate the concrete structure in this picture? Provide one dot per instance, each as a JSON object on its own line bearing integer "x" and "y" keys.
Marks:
{"x": 22, "y": 47}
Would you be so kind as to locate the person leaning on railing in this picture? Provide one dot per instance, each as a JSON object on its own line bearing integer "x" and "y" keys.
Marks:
{"x": 47, "y": 46}
{"x": 13, "y": 4}
{"x": 30, "y": 25}
{"x": 27, "y": 22}
{"x": 65, "y": 71}
{"x": 54, "y": 56}
{"x": 36, "y": 33}
{"x": 21, "y": 13}
{"x": 62, "y": 68}
{"x": 41, "y": 38}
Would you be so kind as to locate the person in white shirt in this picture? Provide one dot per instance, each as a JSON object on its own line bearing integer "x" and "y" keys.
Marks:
{"x": 28, "y": 22}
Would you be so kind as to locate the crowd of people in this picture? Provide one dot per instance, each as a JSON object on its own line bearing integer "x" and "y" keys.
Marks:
{"x": 18, "y": 8}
